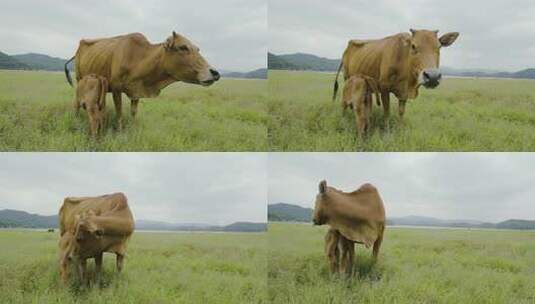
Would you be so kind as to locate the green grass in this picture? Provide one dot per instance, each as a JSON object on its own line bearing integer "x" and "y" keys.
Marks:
{"x": 415, "y": 266}
{"x": 159, "y": 268}
{"x": 36, "y": 114}
{"x": 460, "y": 115}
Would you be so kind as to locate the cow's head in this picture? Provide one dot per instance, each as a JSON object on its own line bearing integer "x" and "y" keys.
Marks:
{"x": 183, "y": 62}
{"x": 86, "y": 229}
{"x": 320, "y": 211}
{"x": 425, "y": 56}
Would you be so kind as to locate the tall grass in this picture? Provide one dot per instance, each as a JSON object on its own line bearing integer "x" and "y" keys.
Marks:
{"x": 460, "y": 115}
{"x": 159, "y": 268}
{"x": 36, "y": 114}
{"x": 414, "y": 266}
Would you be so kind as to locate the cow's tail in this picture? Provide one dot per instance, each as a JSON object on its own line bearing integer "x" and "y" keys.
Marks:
{"x": 67, "y": 74}
{"x": 335, "y": 91}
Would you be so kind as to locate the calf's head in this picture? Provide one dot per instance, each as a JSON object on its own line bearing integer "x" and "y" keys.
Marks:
{"x": 92, "y": 97}
{"x": 320, "y": 216}
{"x": 86, "y": 229}
{"x": 425, "y": 55}
{"x": 183, "y": 62}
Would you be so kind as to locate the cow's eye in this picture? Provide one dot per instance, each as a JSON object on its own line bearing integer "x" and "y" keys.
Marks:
{"x": 183, "y": 48}
{"x": 414, "y": 48}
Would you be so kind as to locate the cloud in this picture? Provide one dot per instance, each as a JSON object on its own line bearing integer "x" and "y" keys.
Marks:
{"x": 214, "y": 188}
{"x": 481, "y": 186}
{"x": 494, "y": 34}
{"x": 232, "y": 34}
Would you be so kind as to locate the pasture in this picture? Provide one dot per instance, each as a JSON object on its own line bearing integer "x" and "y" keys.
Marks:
{"x": 460, "y": 115}
{"x": 159, "y": 268}
{"x": 36, "y": 114}
{"x": 415, "y": 266}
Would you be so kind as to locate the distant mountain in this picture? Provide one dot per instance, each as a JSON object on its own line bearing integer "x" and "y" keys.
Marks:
{"x": 277, "y": 63}
{"x": 21, "y": 219}
{"x": 309, "y": 62}
{"x": 9, "y": 63}
{"x": 301, "y": 61}
{"x": 41, "y": 62}
{"x": 256, "y": 74}
{"x": 15, "y": 218}
{"x": 282, "y": 212}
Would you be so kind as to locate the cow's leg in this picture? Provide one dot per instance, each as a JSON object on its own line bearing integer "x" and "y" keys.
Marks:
{"x": 331, "y": 250}
{"x": 82, "y": 272}
{"x": 98, "y": 268}
{"x": 120, "y": 262}
{"x": 76, "y": 105}
{"x": 117, "y": 100}
{"x": 402, "y": 108}
{"x": 64, "y": 268}
{"x": 385, "y": 99}
{"x": 348, "y": 251}
{"x": 133, "y": 107}
{"x": 377, "y": 245}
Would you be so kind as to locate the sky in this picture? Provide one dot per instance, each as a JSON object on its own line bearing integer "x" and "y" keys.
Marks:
{"x": 470, "y": 186}
{"x": 209, "y": 188}
{"x": 497, "y": 35}
{"x": 232, "y": 34}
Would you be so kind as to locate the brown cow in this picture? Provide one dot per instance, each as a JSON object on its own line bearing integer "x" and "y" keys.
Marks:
{"x": 91, "y": 95}
{"x": 354, "y": 217}
{"x": 90, "y": 226}
{"x": 140, "y": 69}
{"x": 357, "y": 95}
{"x": 400, "y": 63}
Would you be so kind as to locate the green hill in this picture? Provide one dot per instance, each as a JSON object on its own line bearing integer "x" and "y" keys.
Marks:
{"x": 301, "y": 61}
{"x": 256, "y": 74}
{"x": 41, "y": 62}
{"x": 14, "y": 218}
{"x": 9, "y": 63}
{"x": 288, "y": 213}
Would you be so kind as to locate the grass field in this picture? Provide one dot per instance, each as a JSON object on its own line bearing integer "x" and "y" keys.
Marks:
{"x": 159, "y": 268}
{"x": 460, "y": 115}
{"x": 415, "y": 266}
{"x": 36, "y": 114}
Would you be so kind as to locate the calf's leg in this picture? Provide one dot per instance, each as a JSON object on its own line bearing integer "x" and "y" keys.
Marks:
{"x": 133, "y": 107}
{"x": 98, "y": 268}
{"x": 348, "y": 252}
{"x": 82, "y": 272}
{"x": 331, "y": 250}
{"x": 360, "y": 114}
{"x": 402, "y": 107}
{"x": 120, "y": 261}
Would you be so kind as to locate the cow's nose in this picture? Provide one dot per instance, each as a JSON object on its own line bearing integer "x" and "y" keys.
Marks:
{"x": 431, "y": 77}
{"x": 215, "y": 74}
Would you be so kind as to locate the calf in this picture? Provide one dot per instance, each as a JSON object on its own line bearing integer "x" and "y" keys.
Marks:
{"x": 91, "y": 95}
{"x": 357, "y": 95}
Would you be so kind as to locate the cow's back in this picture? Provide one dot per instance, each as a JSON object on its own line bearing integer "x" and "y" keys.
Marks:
{"x": 108, "y": 56}
{"x": 385, "y": 60}
{"x": 105, "y": 205}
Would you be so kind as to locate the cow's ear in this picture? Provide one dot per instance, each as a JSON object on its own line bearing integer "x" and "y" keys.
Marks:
{"x": 174, "y": 34}
{"x": 170, "y": 43}
{"x": 323, "y": 186}
{"x": 448, "y": 38}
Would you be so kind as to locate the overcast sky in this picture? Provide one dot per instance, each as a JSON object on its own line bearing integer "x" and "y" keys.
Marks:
{"x": 476, "y": 186}
{"x": 212, "y": 188}
{"x": 493, "y": 34}
{"x": 232, "y": 34}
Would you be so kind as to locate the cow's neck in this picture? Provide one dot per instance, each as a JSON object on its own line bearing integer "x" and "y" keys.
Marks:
{"x": 150, "y": 78}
